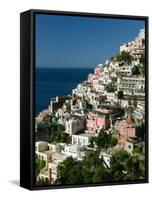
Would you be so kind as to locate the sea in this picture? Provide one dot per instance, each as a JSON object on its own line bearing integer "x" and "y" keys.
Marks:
{"x": 52, "y": 82}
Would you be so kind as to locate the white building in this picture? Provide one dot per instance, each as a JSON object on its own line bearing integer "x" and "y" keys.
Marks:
{"x": 74, "y": 150}
{"x": 136, "y": 47}
{"x": 139, "y": 112}
{"x": 52, "y": 165}
{"x": 75, "y": 124}
{"x": 82, "y": 89}
{"x": 41, "y": 146}
{"x": 81, "y": 139}
{"x": 126, "y": 70}
{"x": 45, "y": 155}
{"x": 44, "y": 151}
{"x": 131, "y": 85}
{"x": 114, "y": 65}
{"x": 142, "y": 33}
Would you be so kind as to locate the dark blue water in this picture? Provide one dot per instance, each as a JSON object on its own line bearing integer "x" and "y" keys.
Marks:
{"x": 55, "y": 82}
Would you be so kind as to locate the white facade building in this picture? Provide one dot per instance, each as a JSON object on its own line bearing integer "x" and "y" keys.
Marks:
{"x": 74, "y": 150}
{"x": 139, "y": 112}
{"x": 41, "y": 146}
{"x": 81, "y": 139}
{"x": 136, "y": 47}
{"x": 52, "y": 165}
{"x": 75, "y": 124}
{"x": 126, "y": 70}
{"x": 45, "y": 155}
{"x": 131, "y": 85}
{"x": 142, "y": 33}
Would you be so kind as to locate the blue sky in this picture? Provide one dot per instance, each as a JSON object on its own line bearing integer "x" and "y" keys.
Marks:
{"x": 63, "y": 41}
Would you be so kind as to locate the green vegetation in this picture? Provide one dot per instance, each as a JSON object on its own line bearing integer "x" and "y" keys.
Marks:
{"x": 92, "y": 169}
{"x": 89, "y": 170}
{"x": 92, "y": 142}
{"x": 100, "y": 175}
{"x": 110, "y": 88}
{"x": 124, "y": 56}
{"x": 136, "y": 70}
{"x": 43, "y": 182}
{"x": 60, "y": 136}
{"x": 126, "y": 167}
{"x": 69, "y": 172}
{"x": 142, "y": 70}
{"x": 114, "y": 80}
{"x": 142, "y": 59}
{"x": 138, "y": 149}
{"x": 120, "y": 94}
{"x": 39, "y": 164}
{"x": 132, "y": 166}
{"x": 103, "y": 141}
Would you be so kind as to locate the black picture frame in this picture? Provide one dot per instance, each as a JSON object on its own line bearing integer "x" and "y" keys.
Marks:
{"x": 27, "y": 96}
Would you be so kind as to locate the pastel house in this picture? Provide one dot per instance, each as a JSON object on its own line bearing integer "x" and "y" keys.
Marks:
{"x": 96, "y": 122}
{"x": 126, "y": 131}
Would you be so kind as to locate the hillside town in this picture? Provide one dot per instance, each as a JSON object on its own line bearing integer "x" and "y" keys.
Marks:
{"x": 97, "y": 133}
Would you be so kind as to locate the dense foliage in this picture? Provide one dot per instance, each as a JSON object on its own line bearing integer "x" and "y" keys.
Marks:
{"x": 124, "y": 56}
{"x": 60, "y": 136}
{"x": 92, "y": 169}
{"x": 39, "y": 164}
{"x": 89, "y": 170}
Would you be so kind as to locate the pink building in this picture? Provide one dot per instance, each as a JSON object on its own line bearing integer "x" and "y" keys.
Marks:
{"x": 97, "y": 72}
{"x": 126, "y": 131}
{"x": 95, "y": 123}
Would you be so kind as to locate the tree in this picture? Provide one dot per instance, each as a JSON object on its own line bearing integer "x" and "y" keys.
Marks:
{"x": 113, "y": 141}
{"x": 39, "y": 164}
{"x": 93, "y": 169}
{"x": 120, "y": 95}
{"x": 100, "y": 175}
{"x": 75, "y": 175}
{"x": 142, "y": 70}
{"x": 91, "y": 143}
{"x": 121, "y": 155}
{"x": 110, "y": 87}
{"x": 115, "y": 165}
{"x": 124, "y": 56}
{"x": 135, "y": 70}
{"x": 118, "y": 176}
{"x": 60, "y": 136}
{"x": 91, "y": 160}
{"x": 142, "y": 59}
{"x": 103, "y": 139}
{"x": 42, "y": 182}
{"x": 114, "y": 80}
{"x": 137, "y": 149}
{"x": 132, "y": 166}
{"x": 87, "y": 175}
{"x": 117, "y": 161}
{"x": 67, "y": 170}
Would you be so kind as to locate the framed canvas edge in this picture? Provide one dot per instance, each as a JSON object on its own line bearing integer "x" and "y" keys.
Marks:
{"x": 32, "y": 13}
